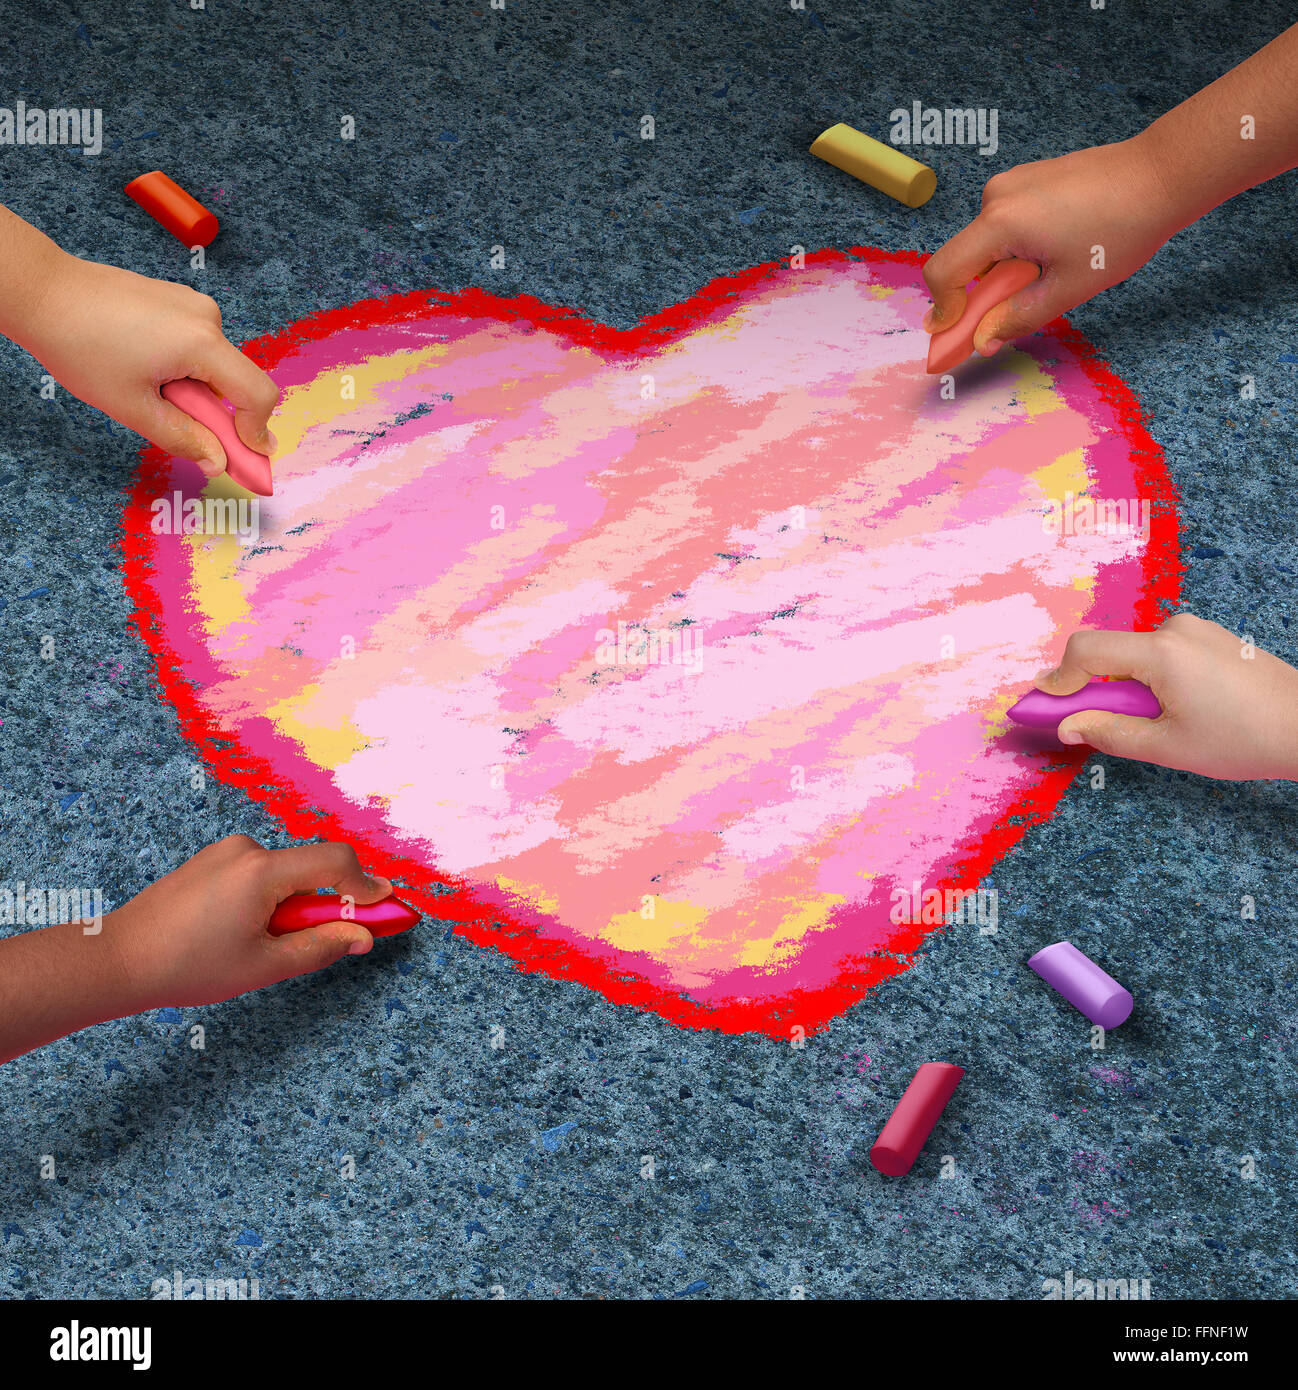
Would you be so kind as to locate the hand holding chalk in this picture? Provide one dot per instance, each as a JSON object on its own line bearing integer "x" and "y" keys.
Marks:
{"x": 1087, "y": 219}
{"x": 244, "y": 465}
{"x": 951, "y": 346}
{"x": 1191, "y": 695}
{"x": 202, "y": 934}
{"x": 111, "y": 337}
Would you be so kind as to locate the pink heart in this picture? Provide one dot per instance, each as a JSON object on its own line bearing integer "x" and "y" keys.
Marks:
{"x": 832, "y": 584}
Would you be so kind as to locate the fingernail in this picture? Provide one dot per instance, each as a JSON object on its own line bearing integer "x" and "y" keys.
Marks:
{"x": 268, "y": 442}
{"x": 1046, "y": 677}
{"x": 1071, "y": 736}
{"x": 993, "y": 346}
{"x": 381, "y": 885}
{"x": 210, "y": 467}
{"x": 930, "y": 318}
{"x": 358, "y": 948}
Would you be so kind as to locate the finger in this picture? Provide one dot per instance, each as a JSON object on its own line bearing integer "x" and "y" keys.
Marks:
{"x": 300, "y": 952}
{"x": 1097, "y": 653}
{"x": 331, "y": 865}
{"x": 243, "y": 383}
{"x": 969, "y": 254}
{"x": 1122, "y": 735}
{"x": 180, "y": 434}
{"x": 1018, "y": 315}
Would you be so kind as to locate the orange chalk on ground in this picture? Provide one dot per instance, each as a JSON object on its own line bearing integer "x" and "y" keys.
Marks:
{"x": 879, "y": 165}
{"x": 168, "y": 204}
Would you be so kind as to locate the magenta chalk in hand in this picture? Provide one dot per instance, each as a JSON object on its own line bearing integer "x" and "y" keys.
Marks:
{"x": 1086, "y": 987}
{"x": 910, "y": 1124}
{"x": 245, "y": 466}
{"x": 1041, "y": 711}
{"x": 386, "y": 917}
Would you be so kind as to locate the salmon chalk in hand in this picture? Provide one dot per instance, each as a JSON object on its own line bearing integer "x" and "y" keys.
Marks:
{"x": 952, "y": 345}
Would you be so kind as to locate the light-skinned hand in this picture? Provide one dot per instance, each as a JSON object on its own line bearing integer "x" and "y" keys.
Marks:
{"x": 1230, "y": 710}
{"x": 114, "y": 338}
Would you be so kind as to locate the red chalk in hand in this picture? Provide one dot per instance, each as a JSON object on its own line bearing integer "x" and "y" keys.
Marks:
{"x": 952, "y": 345}
{"x": 168, "y": 204}
{"x": 386, "y": 917}
{"x": 245, "y": 466}
{"x": 898, "y": 1146}
{"x": 1041, "y": 711}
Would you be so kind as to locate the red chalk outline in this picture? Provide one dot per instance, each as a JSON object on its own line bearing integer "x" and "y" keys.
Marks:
{"x": 485, "y": 923}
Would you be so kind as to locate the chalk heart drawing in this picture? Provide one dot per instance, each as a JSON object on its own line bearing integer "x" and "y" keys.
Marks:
{"x": 658, "y": 659}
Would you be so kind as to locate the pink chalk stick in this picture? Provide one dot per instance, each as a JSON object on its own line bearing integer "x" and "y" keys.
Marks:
{"x": 1041, "y": 711}
{"x": 244, "y": 465}
{"x": 384, "y": 918}
{"x": 952, "y": 345}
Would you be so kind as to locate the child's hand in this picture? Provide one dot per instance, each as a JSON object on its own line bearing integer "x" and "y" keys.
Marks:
{"x": 113, "y": 338}
{"x": 195, "y": 937}
{"x": 199, "y": 935}
{"x": 1088, "y": 219}
{"x": 1229, "y": 709}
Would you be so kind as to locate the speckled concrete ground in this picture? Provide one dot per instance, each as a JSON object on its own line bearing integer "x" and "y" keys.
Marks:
{"x": 520, "y": 1169}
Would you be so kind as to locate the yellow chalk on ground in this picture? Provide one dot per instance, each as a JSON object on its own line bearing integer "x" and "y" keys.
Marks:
{"x": 881, "y": 166}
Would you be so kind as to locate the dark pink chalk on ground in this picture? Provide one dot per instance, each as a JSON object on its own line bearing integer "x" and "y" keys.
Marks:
{"x": 1041, "y": 711}
{"x": 910, "y": 1124}
{"x": 1086, "y": 987}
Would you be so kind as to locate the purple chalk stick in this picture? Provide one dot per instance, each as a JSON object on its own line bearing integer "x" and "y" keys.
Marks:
{"x": 1086, "y": 987}
{"x": 1041, "y": 711}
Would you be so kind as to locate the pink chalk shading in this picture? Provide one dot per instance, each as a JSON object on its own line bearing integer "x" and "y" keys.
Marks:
{"x": 860, "y": 566}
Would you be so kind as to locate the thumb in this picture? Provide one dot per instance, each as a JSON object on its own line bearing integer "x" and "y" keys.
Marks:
{"x": 300, "y": 952}
{"x": 1122, "y": 735}
{"x": 180, "y": 434}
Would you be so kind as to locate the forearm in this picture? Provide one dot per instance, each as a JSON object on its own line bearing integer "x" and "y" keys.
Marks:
{"x": 1202, "y": 149}
{"x": 55, "y": 981}
{"x": 29, "y": 262}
